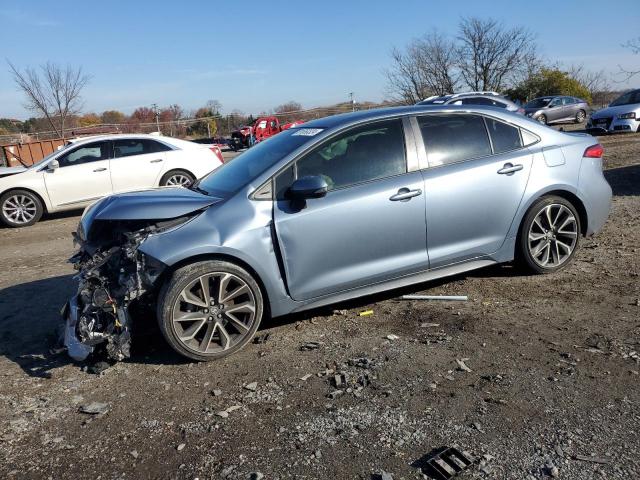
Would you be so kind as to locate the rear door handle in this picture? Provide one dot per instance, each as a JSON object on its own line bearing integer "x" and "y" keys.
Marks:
{"x": 101, "y": 169}
{"x": 405, "y": 194}
{"x": 155, "y": 161}
{"x": 510, "y": 168}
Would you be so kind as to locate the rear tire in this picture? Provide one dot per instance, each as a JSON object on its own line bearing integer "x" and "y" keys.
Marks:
{"x": 542, "y": 119}
{"x": 581, "y": 115}
{"x": 549, "y": 235}
{"x": 209, "y": 310}
{"x": 177, "y": 178}
{"x": 20, "y": 208}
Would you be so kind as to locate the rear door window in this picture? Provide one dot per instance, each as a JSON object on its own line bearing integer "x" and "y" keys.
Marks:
{"x": 358, "y": 155}
{"x": 136, "y": 146}
{"x": 454, "y": 138}
{"x": 504, "y": 137}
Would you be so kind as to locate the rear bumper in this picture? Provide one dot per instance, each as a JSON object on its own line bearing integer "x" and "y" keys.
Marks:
{"x": 596, "y": 194}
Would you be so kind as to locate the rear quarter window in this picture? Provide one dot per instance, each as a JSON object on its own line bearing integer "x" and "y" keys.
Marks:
{"x": 504, "y": 137}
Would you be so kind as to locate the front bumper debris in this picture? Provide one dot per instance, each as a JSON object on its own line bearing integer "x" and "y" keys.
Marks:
{"x": 111, "y": 279}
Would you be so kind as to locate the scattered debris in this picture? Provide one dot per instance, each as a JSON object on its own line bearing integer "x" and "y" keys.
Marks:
{"x": 134, "y": 454}
{"x": 429, "y": 325}
{"x": 261, "y": 338}
{"x": 216, "y": 392}
{"x": 223, "y": 414}
{"x": 335, "y": 394}
{"x": 98, "y": 367}
{"x": 310, "y": 346}
{"x": 444, "y": 463}
{"x": 586, "y": 458}
{"x": 181, "y": 447}
{"x": 306, "y": 377}
{"x": 463, "y": 366}
{"x": 446, "y": 298}
{"x": 94, "y": 408}
{"x": 392, "y": 337}
{"x": 252, "y": 387}
{"x": 366, "y": 313}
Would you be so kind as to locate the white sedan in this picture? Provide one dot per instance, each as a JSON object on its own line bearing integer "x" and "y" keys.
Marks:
{"x": 87, "y": 169}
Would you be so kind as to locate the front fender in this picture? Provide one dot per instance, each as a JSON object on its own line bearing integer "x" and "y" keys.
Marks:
{"x": 249, "y": 240}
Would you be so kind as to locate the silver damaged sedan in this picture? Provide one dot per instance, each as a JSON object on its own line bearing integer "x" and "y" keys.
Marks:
{"x": 330, "y": 210}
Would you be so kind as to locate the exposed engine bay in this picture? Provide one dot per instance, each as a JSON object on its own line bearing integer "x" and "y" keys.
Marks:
{"x": 114, "y": 277}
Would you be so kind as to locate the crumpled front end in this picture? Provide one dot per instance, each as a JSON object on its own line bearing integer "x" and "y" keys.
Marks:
{"x": 113, "y": 276}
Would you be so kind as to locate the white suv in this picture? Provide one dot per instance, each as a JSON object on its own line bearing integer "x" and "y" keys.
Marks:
{"x": 87, "y": 169}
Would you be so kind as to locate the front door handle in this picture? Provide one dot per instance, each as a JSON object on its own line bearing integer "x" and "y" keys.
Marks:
{"x": 510, "y": 168}
{"x": 404, "y": 194}
{"x": 101, "y": 169}
{"x": 155, "y": 161}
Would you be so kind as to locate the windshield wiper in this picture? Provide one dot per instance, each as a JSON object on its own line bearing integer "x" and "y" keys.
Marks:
{"x": 194, "y": 186}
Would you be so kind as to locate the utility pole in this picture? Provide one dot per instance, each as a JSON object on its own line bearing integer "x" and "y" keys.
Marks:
{"x": 353, "y": 103}
{"x": 155, "y": 110}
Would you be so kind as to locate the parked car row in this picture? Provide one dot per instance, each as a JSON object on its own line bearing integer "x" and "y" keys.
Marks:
{"x": 90, "y": 168}
{"x": 622, "y": 115}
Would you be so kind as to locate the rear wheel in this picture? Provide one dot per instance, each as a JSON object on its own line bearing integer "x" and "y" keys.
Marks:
{"x": 580, "y": 116}
{"x": 177, "y": 178}
{"x": 549, "y": 235}
{"x": 20, "y": 208}
{"x": 208, "y": 310}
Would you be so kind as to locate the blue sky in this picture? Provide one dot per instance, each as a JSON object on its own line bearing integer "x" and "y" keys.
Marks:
{"x": 253, "y": 56}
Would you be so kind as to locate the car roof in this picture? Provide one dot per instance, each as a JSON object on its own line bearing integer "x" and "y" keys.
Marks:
{"x": 175, "y": 142}
{"x": 344, "y": 119}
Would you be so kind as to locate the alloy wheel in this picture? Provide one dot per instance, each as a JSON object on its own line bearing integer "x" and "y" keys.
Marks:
{"x": 214, "y": 312}
{"x": 553, "y": 235}
{"x": 580, "y": 116}
{"x": 19, "y": 209}
{"x": 178, "y": 180}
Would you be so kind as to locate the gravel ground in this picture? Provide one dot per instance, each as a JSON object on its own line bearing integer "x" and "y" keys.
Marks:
{"x": 551, "y": 388}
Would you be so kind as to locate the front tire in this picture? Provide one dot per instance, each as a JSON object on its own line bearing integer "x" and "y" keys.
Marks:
{"x": 209, "y": 310}
{"x": 20, "y": 208}
{"x": 580, "y": 116}
{"x": 549, "y": 235}
{"x": 177, "y": 178}
{"x": 542, "y": 119}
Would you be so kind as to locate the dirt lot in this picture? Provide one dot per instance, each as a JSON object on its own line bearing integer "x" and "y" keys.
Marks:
{"x": 553, "y": 388}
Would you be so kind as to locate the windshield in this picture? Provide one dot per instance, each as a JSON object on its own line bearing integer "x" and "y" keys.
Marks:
{"x": 40, "y": 162}
{"x": 538, "y": 103}
{"x": 627, "y": 99}
{"x": 232, "y": 176}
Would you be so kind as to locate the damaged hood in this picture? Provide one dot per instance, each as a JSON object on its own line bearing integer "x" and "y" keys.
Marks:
{"x": 156, "y": 204}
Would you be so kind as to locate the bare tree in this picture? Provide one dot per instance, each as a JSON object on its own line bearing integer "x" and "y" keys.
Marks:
{"x": 54, "y": 91}
{"x": 491, "y": 56}
{"x": 290, "y": 106}
{"x": 426, "y": 67}
{"x": 634, "y": 46}
{"x": 596, "y": 82}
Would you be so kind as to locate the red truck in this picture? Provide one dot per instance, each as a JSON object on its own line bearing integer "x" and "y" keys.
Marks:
{"x": 263, "y": 128}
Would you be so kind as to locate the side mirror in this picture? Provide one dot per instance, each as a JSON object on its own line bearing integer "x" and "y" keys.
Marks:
{"x": 313, "y": 186}
{"x": 53, "y": 165}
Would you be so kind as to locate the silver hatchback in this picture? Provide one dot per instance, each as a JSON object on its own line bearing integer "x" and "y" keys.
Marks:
{"x": 333, "y": 209}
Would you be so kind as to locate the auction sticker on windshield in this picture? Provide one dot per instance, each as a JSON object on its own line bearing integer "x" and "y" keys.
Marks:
{"x": 307, "y": 132}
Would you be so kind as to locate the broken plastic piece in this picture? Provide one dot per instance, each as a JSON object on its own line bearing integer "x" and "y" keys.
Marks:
{"x": 366, "y": 313}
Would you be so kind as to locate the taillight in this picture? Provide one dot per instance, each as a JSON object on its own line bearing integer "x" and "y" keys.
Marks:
{"x": 594, "y": 151}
